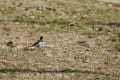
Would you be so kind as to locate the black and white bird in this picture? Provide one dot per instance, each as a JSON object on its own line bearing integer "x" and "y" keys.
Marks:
{"x": 37, "y": 44}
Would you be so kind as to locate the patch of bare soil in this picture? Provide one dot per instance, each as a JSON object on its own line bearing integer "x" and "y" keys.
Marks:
{"x": 66, "y": 55}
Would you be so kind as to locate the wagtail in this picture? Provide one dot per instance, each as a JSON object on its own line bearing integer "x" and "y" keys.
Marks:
{"x": 38, "y": 43}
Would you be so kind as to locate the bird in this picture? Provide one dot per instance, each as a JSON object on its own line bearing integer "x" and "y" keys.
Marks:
{"x": 38, "y": 43}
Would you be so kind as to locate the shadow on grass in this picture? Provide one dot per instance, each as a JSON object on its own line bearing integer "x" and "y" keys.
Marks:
{"x": 59, "y": 22}
{"x": 117, "y": 24}
{"x": 7, "y": 70}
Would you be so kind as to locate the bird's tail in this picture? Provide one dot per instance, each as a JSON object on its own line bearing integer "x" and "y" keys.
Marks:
{"x": 28, "y": 47}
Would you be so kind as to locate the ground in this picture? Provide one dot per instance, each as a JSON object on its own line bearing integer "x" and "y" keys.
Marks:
{"x": 82, "y": 40}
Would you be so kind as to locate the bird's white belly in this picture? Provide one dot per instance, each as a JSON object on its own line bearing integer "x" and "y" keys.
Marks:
{"x": 41, "y": 43}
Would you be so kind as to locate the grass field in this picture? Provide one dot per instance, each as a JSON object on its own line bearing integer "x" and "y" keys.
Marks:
{"x": 82, "y": 40}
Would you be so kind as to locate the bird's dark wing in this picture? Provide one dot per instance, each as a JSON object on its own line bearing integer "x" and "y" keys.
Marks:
{"x": 35, "y": 43}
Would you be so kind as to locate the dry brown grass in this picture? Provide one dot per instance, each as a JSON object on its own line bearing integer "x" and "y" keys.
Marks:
{"x": 82, "y": 40}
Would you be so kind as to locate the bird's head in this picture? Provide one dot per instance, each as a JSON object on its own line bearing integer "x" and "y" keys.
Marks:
{"x": 41, "y": 37}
